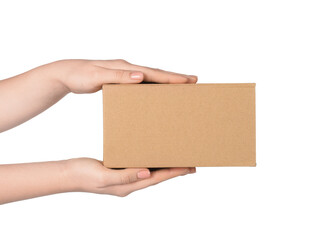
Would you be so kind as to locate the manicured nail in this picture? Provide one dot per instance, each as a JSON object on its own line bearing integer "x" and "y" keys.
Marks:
{"x": 193, "y": 170}
{"x": 136, "y": 76}
{"x": 143, "y": 174}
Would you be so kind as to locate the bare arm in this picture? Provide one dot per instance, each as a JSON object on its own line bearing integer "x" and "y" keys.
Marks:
{"x": 22, "y": 181}
{"x": 29, "y": 180}
{"x": 26, "y": 95}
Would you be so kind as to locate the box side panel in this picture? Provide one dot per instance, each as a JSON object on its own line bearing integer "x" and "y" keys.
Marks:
{"x": 177, "y": 126}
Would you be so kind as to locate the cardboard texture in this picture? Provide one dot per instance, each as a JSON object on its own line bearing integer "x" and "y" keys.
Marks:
{"x": 179, "y": 125}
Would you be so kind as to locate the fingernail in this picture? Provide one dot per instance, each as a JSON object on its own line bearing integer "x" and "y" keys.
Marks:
{"x": 143, "y": 174}
{"x": 192, "y": 170}
{"x": 136, "y": 76}
{"x": 193, "y": 78}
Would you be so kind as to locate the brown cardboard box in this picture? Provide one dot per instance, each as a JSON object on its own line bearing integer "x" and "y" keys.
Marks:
{"x": 179, "y": 125}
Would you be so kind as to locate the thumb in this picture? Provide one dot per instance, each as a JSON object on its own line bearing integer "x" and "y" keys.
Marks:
{"x": 119, "y": 76}
{"x": 129, "y": 175}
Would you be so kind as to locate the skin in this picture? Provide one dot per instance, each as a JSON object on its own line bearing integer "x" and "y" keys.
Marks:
{"x": 26, "y": 95}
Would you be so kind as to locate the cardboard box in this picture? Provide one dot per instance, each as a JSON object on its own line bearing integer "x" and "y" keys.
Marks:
{"x": 179, "y": 125}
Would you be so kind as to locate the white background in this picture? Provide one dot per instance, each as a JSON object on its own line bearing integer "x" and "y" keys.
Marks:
{"x": 284, "y": 46}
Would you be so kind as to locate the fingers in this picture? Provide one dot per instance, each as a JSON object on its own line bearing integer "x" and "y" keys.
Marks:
{"x": 125, "y": 176}
{"x": 161, "y": 76}
{"x": 160, "y": 176}
{"x": 155, "y": 178}
{"x": 105, "y": 75}
{"x": 149, "y": 74}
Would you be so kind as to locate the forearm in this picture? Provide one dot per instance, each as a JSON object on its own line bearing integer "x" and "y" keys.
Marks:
{"x": 29, "y": 180}
{"x": 28, "y": 94}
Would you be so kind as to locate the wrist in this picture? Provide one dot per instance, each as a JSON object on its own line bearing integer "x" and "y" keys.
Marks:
{"x": 56, "y": 73}
{"x": 68, "y": 178}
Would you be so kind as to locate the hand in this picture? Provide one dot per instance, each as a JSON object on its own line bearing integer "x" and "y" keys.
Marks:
{"x": 88, "y": 76}
{"x": 28, "y": 94}
{"x": 89, "y": 175}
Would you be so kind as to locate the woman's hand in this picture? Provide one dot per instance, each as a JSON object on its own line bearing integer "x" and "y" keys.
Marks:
{"x": 28, "y": 94}
{"x": 88, "y": 76}
{"x": 29, "y": 180}
{"x": 89, "y": 175}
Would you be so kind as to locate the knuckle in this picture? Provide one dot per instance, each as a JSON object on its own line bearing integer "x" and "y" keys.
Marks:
{"x": 121, "y": 61}
{"x": 118, "y": 74}
{"x": 124, "y": 179}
